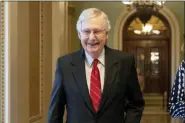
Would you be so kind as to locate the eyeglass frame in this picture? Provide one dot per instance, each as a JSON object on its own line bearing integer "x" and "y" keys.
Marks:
{"x": 100, "y": 31}
{"x": 95, "y": 32}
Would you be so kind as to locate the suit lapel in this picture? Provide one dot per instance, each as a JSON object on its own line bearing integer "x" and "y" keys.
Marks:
{"x": 80, "y": 79}
{"x": 111, "y": 69}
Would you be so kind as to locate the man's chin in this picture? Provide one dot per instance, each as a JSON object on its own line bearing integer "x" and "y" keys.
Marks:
{"x": 93, "y": 53}
{"x": 93, "y": 50}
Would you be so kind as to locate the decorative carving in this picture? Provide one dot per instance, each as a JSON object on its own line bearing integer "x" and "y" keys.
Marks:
{"x": 2, "y": 63}
{"x": 40, "y": 115}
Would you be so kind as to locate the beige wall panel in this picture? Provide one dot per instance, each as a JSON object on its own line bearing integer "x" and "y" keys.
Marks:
{"x": 34, "y": 54}
{"x": 30, "y": 59}
{"x": 22, "y": 65}
{"x": 47, "y": 56}
{"x": 45, "y": 61}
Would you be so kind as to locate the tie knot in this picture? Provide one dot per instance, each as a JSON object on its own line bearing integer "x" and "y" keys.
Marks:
{"x": 95, "y": 62}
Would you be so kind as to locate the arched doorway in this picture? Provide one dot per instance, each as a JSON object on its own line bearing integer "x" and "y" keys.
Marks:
{"x": 175, "y": 35}
{"x": 175, "y": 40}
{"x": 150, "y": 45}
{"x": 151, "y": 50}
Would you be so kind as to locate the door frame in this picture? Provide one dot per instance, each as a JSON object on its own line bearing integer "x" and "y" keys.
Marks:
{"x": 175, "y": 38}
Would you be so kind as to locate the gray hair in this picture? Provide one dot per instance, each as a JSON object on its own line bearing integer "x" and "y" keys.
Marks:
{"x": 92, "y": 13}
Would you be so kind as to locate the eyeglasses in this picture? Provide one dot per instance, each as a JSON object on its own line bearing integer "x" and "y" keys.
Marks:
{"x": 96, "y": 32}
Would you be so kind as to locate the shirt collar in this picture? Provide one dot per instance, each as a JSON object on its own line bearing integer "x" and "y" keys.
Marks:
{"x": 101, "y": 58}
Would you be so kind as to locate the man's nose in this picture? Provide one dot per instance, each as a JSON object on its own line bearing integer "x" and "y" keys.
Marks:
{"x": 91, "y": 35}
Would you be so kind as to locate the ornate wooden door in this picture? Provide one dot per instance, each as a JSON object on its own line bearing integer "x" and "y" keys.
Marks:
{"x": 151, "y": 62}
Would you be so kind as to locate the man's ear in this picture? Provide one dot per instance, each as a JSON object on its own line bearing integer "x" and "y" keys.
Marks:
{"x": 107, "y": 35}
{"x": 79, "y": 36}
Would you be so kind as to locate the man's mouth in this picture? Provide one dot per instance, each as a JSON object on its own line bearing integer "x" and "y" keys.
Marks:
{"x": 93, "y": 44}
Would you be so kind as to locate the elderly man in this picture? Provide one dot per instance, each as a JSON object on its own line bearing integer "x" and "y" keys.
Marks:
{"x": 97, "y": 84}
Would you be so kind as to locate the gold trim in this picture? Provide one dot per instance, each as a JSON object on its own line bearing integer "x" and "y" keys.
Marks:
{"x": 2, "y": 63}
{"x": 40, "y": 115}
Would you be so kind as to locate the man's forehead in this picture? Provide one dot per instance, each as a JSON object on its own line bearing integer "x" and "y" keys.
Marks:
{"x": 94, "y": 23}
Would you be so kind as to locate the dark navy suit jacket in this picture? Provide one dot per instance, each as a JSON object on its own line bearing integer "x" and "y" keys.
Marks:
{"x": 121, "y": 94}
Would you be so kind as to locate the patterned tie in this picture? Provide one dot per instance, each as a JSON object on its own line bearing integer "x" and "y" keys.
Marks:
{"x": 95, "y": 86}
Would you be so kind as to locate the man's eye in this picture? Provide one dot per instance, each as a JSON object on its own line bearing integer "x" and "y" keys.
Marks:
{"x": 98, "y": 31}
{"x": 86, "y": 31}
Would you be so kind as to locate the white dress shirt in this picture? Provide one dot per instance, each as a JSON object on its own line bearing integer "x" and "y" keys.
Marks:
{"x": 101, "y": 66}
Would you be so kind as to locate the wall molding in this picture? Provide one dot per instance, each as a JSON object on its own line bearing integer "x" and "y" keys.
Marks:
{"x": 41, "y": 56}
{"x": 2, "y": 79}
{"x": 60, "y": 37}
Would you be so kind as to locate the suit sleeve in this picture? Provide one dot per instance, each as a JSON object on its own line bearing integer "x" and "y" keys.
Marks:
{"x": 135, "y": 101}
{"x": 177, "y": 98}
{"x": 58, "y": 100}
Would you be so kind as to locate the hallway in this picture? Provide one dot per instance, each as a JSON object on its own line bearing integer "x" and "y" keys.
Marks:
{"x": 34, "y": 34}
{"x": 155, "y": 117}
{"x": 154, "y": 110}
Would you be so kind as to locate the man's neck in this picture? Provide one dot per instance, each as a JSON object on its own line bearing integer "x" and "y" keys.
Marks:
{"x": 95, "y": 56}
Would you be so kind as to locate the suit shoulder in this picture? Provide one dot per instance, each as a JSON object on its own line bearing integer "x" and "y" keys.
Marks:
{"x": 68, "y": 57}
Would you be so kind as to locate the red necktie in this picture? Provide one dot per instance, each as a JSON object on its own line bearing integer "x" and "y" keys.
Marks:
{"x": 95, "y": 86}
